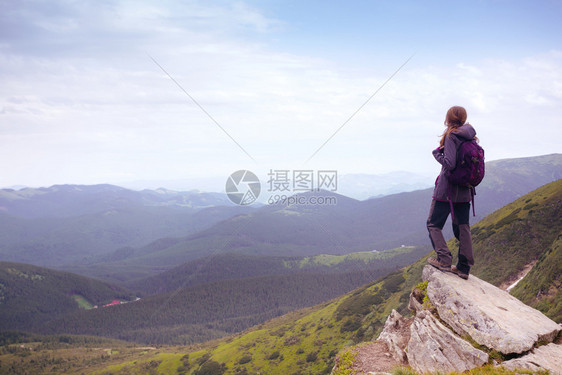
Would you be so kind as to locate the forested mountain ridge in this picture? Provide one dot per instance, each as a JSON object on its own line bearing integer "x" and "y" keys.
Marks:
{"x": 118, "y": 235}
{"x": 31, "y": 295}
{"x": 348, "y": 226}
{"x": 198, "y": 301}
{"x": 234, "y": 266}
{"x": 207, "y": 311}
{"x": 306, "y": 342}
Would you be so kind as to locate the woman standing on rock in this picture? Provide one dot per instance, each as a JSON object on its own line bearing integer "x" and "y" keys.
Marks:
{"x": 457, "y": 131}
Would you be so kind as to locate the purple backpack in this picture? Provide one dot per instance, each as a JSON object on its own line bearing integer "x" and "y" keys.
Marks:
{"x": 469, "y": 169}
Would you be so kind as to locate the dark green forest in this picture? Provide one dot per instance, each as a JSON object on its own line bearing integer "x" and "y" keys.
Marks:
{"x": 31, "y": 295}
{"x": 194, "y": 302}
{"x": 234, "y": 266}
{"x": 207, "y": 311}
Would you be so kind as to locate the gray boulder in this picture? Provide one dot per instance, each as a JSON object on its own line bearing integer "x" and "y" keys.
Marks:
{"x": 491, "y": 316}
{"x": 396, "y": 334}
{"x": 547, "y": 357}
{"x": 433, "y": 347}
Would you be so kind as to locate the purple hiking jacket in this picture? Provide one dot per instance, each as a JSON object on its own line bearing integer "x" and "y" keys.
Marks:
{"x": 447, "y": 157}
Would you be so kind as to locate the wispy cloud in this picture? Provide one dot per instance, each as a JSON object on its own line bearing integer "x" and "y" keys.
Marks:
{"x": 81, "y": 100}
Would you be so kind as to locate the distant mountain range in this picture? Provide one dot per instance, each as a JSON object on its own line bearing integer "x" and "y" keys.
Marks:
{"x": 67, "y": 224}
{"x": 117, "y": 234}
{"x": 348, "y": 226}
{"x": 355, "y": 185}
{"x": 76, "y": 200}
{"x": 365, "y": 186}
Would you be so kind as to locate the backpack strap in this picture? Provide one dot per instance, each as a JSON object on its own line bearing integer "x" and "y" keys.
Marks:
{"x": 462, "y": 141}
{"x": 451, "y": 201}
{"x": 472, "y": 194}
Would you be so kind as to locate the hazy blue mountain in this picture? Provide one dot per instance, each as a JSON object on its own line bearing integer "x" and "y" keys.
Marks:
{"x": 348, "y": 226}
{"x": 364, "y": 186}
{"x": 73, "y": 223}
{"x": 123, "y": 234}
{"x": 76, "y": 200}
{"x": 356, "y": 185}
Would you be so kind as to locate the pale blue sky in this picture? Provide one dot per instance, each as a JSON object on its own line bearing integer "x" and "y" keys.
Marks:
{"x": 82, "y": 102}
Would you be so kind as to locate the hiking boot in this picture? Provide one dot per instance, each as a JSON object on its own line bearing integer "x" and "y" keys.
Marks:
{"x": 437, "y": 264}
{"x": 460, "y": 274}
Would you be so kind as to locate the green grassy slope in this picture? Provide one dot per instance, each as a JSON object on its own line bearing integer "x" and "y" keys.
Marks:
{"x": 517, "y": 234}
{"x": 305, "y": 342}
{"x": 542, "y": 287}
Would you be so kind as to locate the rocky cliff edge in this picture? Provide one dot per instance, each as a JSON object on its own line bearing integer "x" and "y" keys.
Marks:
{"x": 463, "y": 324}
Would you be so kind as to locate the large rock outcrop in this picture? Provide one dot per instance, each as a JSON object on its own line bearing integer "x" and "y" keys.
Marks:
{"x": 433, "y": 347}
{"x": 452, "y": 315}
{"x": 490, "y": 316}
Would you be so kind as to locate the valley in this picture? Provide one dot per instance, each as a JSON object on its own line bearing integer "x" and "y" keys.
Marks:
{"x": 237, "y": 294}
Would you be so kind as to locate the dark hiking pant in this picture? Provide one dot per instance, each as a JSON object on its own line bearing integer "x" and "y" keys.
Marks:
{"x": 438, "y": 214}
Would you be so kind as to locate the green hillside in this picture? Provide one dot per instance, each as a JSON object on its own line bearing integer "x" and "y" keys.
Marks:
{"x": 519, "y": 234}
{"x": 306, "y": 342}
{"x": 235, "y": 266}
{"x": 542, "y": 287}
{"x": 208, "y": 311}
{"x": 30, "y": 295}
{"x": 195, "y": 302}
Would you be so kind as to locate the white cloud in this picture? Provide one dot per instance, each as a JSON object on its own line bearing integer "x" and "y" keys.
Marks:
{"x": 94, "y": 106}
